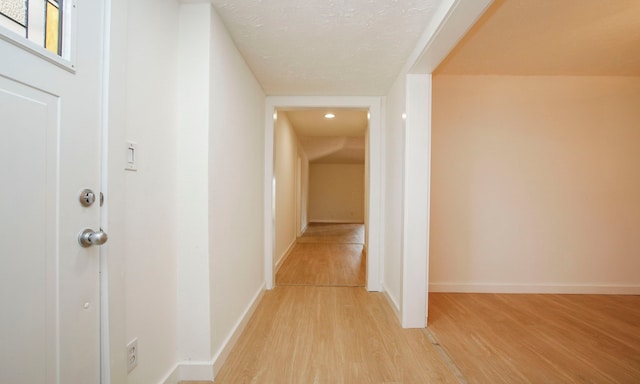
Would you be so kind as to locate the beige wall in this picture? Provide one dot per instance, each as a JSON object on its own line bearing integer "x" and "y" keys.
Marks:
{"x": 286, "y": 154}
{"x": 336, "y": 193}
{"x": 536, "y": 184}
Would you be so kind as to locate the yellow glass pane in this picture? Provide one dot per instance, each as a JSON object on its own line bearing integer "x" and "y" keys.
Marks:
{"x": 52, "y": 31}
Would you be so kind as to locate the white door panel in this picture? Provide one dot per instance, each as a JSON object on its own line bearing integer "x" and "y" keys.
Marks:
{"x": 49, "y": 152}
{"x": 28, "y": 274}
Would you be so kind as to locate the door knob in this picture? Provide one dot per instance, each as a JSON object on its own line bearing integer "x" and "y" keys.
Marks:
{"x": 88, "y": 238}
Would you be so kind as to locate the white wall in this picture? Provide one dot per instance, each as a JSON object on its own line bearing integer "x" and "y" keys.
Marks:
{"x": 536, "y": 184}
{"x": 417, "y": 175}
{"x": 147, "y": 211}
{"x": 336, "y": 193}
{"x": 304, "y": 192}
{"x": 286, "y": 158}
{"x": 236, "y": 180}
{"x": 113, "y": 218}
{"x": 393, "y": 189}
{"x": 185, "y": 251}
{"x": 194, "y": 312}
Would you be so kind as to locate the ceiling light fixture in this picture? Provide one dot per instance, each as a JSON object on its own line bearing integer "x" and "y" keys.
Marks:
{"x": 329, "y": 115}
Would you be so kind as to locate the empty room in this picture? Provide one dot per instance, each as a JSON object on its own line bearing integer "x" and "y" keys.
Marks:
{"x": 312, "y": 191}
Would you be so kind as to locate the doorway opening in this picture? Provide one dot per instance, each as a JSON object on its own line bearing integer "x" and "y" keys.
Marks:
{"x": 341, "y": 148}
{"x": 320, "y": 160}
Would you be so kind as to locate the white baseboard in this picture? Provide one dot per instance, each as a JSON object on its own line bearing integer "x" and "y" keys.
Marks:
{"x": 220, "y": 357}
{"x": 206, "y": 370}
{"x": 285, "y": 255}
{"x": 393, "y": 303}
{"x": 336, "y": 221}
{"x": 172, "y": 377}
{"x": 190, "y": 371}
{"x": 195, "y": 371}
{"x": 597, "y": 289}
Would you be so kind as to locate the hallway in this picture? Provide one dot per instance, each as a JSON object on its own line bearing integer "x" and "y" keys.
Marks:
{"x": 326, "y": 255}
{"x": 319, "y": 325}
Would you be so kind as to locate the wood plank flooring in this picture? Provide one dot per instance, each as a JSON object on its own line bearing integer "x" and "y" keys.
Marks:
{"x": 314, "y": 328}
{"x": 497, "y": 338}
{"x": 324, "y": 264}
{"x": 305, "y": 334}
{"x": 326, "y": 255}
{"x": 333, "y": 233}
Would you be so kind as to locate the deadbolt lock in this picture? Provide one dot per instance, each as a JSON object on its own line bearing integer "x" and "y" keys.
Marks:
{"x": 87, "y": 197}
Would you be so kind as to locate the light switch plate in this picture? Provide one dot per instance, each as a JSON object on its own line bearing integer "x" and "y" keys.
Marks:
{"x": 131, "y": 157}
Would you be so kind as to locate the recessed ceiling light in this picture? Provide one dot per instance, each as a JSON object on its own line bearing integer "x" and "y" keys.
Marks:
{"x": 329, "y": 116}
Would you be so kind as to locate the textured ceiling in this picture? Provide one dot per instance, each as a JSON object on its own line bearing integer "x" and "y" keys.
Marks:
{"x": 337, "y": 140}
{"x": 551, "y": 37}
{"x": 326, "y": 47}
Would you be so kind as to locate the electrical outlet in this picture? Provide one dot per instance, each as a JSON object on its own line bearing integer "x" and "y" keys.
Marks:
{"x": 132, "y": 355}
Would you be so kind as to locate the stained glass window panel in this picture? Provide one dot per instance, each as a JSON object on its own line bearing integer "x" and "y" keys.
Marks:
{"x": 52, "y": 30}
{"x": 39, "y": 21}
{"x": 16, "y": 10}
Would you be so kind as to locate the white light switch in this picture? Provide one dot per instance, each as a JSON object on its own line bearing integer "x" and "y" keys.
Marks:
{"x": 132, "y": 155}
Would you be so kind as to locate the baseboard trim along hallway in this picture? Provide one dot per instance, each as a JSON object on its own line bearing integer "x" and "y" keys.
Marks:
{"x": 206, "y": 370}
{"x": 589, "y": 289}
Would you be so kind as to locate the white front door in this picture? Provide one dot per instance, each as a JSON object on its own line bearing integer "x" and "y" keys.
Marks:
{"x": 50, "y": 124}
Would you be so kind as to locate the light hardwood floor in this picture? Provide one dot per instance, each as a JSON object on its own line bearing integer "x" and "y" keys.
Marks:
{"x": 313, "y": 334}
{"x": 326, "y": 255}
{"x": 333, "y": 233}
{"x": 327, "y": 334}
{"x": 497, "y": 338}
{"x": 305, "y": 334}
{"x": 324, "y": 264}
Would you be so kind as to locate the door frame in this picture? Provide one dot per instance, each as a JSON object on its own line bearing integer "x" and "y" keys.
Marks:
{"x": 105, "y": 350}
{"x": 373, "y": 225}
{"x": 451, "y": 22}
{"x": 298, "y": 196}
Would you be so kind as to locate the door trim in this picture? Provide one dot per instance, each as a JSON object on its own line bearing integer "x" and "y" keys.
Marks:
{"x": 373, "y": 240}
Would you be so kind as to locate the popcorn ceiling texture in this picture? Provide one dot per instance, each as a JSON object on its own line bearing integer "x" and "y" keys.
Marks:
{"x": 326, "y": 47}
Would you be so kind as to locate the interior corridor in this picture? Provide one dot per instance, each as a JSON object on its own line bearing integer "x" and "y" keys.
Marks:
{"x": 326, "y": 255}
{"x": 320, "y": 325}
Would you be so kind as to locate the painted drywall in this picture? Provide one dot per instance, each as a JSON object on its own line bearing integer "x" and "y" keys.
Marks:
{"x": 336, "y": 193}
{"x": 393, "y": 189}
{"x": 536, "y": 184}
{"x": 417, "y": 170}
{"x": 194, "y": 312}
{"x": 149, "y": 209}
{"x": 236, "y": 180}
{"x": 285, "y": 169}
{"x": 114, "y": 254}
{"x": 304, "y": 189}
{"x": 367, "y": 186}
{"x": 180, "y": 295}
